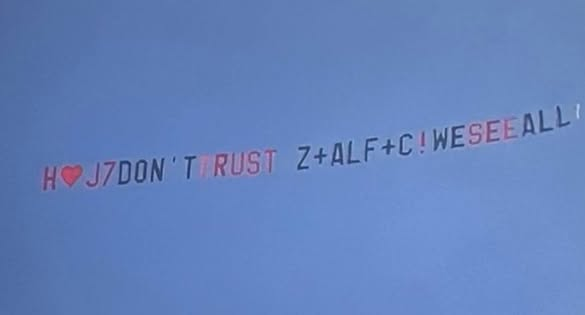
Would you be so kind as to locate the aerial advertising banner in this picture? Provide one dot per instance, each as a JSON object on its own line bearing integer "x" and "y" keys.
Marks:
{"x": 263, "y": 161}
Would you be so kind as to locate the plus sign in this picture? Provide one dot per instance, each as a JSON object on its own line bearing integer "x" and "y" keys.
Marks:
{"x": 320, "y": 156}
{"x": 389, "y": 146}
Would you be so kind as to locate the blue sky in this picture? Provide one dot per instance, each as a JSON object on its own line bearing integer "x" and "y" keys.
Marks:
{"x": 496, "y": 229}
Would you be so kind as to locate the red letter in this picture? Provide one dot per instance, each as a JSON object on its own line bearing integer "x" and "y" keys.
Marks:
{"x": 49, "y": 179}
{"x": 489, "y": 131}
{"x": 270, "y": 153}
{"x": 203, "y": 165}
{"x": 97, "y": 177}
{"x": 254, "y": 162}
{"x": 241, "y": 168}
{"x": 476, "y": 134}
{"x": 220, "y": 162}
{"x": 508, "y": 128}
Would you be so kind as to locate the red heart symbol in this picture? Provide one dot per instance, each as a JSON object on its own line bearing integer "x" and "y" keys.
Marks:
{"x": 70, "y": 174}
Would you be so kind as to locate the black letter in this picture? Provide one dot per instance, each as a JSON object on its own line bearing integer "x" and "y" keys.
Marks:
{"x": 440, "y": 139}
{"x": 307, "y": 149}
{"x": 349, "y": 160}
{"x": 120, "y": 173}
{"x": 368, "y": 148}
{"x": 337, "y": 148}
{"x": 402, "y": 152}
{"x": 189, "y": 158}
{"x": 455, "y": 136}
{"x": 157, "y": 169}
{"x": 137, "y": 171}
{"x": 541, "y": 123}
{"x": 560, "y": 122}
{"x": 527, "y": 121}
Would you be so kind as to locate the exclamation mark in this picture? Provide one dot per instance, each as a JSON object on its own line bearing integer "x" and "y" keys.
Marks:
{"x": 422, "y": 142}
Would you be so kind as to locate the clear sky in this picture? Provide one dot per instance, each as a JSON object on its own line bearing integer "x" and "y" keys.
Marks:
{"x": 493, "y": 229}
